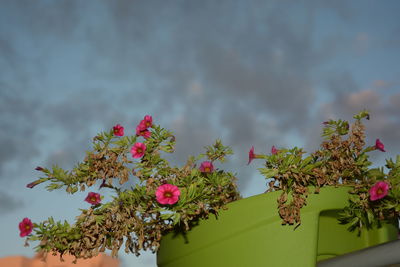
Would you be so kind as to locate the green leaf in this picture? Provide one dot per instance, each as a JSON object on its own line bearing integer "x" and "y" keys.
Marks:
{"x": 361, "y": 115}
{"x": 176, "y": 218}
{"x": 397, "y": 208}
{"x": 354, "y": 198}
{"x": 306, "y": 161}
{"x": 166, "y": 216}
{"x": 354, "y": 221}
{"x": 268, "y": 173}
{"x": 389, "y": 163}
{"x": 370, "y": 216}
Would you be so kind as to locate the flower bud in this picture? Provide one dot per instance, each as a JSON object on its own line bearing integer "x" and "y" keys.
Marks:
{"x": 32, "y": 185}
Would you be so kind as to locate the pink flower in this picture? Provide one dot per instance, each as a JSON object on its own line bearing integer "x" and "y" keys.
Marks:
{"x": 167, "y": 194}
{"x": 138, "y": 150}
{"x": 33, "y": 184}
{"x": 147, "y": 121}
{"x": 206, "y": 166}
{"x": 141, "y": 130}
{"x": 118, "y": 130}
{"x": 378, "y": 191}
{"x": 251, "y": 155}
{"x": 379, "y": 145}
{"x": 274, "y": 151}
{"x": 25, "y": 227}
{"x": 93, "y": 198}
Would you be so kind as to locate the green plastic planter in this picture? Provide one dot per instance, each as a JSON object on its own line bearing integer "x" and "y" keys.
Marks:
{"x": 250, "y": 233}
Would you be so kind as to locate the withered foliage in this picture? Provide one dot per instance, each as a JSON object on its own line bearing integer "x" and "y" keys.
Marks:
{"x": 341, "y": 160}
{"x": 133, "y": 219}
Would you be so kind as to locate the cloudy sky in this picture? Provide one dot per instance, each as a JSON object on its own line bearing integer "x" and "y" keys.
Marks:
{"x": 256, "y": 73}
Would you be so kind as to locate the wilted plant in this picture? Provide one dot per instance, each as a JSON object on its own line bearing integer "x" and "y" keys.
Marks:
{"x": 341, "y": 160}
{"x": 163, "y": 199}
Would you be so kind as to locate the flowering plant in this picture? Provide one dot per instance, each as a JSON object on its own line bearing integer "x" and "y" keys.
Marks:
{"x": 341, "y": 160}
{"x": 163, "y": 198}
{"x": 167, "y": 198}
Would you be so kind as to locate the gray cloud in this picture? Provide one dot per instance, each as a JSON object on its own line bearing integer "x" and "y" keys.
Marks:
{"x": 45, "y": 19}
{"x": 244, "y": 72}
{"x": 249, "y": 63}
{"x": 18, "y": 117}
{"x": 8, "y": 203}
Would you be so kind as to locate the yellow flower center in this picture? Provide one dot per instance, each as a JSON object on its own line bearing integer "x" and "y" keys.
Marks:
{"x": 379, "y": 191}
{"x": 168, "y": 194}
{"x": 207, "y": 169}
{"x": 27, "y": 227}
{"x": 93, "y": 199}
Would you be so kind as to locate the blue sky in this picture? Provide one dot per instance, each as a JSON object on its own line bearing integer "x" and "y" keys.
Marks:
{"x": 256, "y": 73}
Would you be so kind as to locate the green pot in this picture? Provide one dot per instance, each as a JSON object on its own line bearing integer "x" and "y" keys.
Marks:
{"x": 250, "y": 233}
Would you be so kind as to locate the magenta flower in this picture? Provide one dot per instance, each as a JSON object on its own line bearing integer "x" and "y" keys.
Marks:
{"x": 138, "y": 150}
{"x": 118, "y": 130}
{"x": 147, "y": 121}
{"x": 378, "y": 191}
{"x": 274, "y": 151}
{"x": 206, "y": 166}
{"x": 251, "y": 155}
{"x": 379, "y": 145}
{"x": 25, "y": 227}
{"x": 93, "y": 198}
{"x": 167, "y": 194}
{"x": 141, "y": 130}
